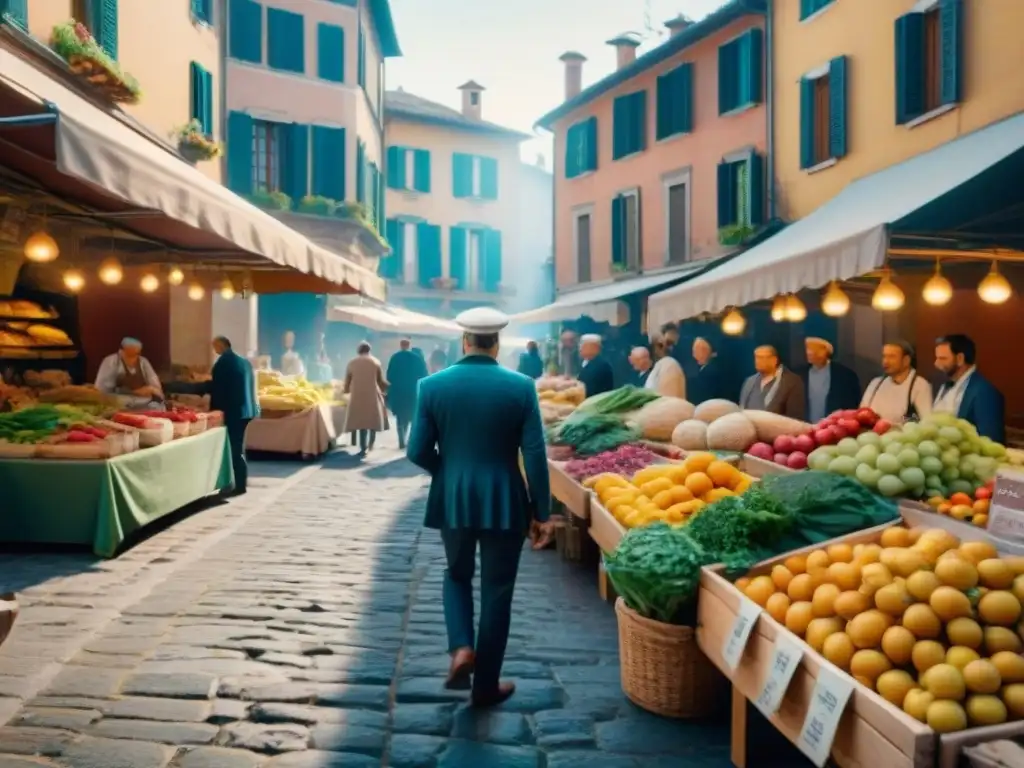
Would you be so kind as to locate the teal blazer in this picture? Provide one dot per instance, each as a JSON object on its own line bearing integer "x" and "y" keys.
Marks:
{"x": 233, "y": 388}
{"x": 471, "y": 422}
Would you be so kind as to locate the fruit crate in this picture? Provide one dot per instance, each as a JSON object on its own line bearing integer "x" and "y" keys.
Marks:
{"x": 871, "y": 732}
{"x": 757, "y": 467}
{"x": 929, "y": 517}
{"x": 571, "y": 494}
{"x": 605, "y": 530}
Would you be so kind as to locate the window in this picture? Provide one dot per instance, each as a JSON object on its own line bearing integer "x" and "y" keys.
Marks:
{"x": 17, "y": 11}
{"x": 823, "y": 114}
{"x": 675, "y": 102}
{"x": 474, "y": 176}
{"x": 811, "y": 7}
{"x": 245, "y": 32}
{"x": 581, "y": 148}
{"x": 408, "y": 169}
{"x": 330, "y": 52}
{"x": 410, "y": 254}
{"x": 582, "y": 242}
{"x": 266, "y": 156}
{"x": 629, "y": 124}
{"x": 201, "y": 93}
{"x": 626, "y": 231}
{"x": 329, "y": 162}
{"x": 741, "y": 189}
{"x": 286, "y": 44}
{"x": 474, "y": 260}
{"x": 677, "y": 218}
{"x": 361, "y": 60}
{"x": 202, "y": 11}
{"x": 99, "y": 16}
{"x": 740, "y": 68}
{"x": 929, "y": 47}
{"x": 474, "y": 99}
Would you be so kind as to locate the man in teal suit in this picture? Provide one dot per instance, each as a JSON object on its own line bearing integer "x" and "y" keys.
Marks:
{"x": 232, "y": 390}
{"x": 472, "y": 421}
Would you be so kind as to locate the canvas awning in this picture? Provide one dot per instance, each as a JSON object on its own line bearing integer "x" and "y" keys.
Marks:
{"x": 390, "y": 319}
{"x": 95, "y": 157}
{"x": 849, "y": 235}
{"x": 603, "y": 303}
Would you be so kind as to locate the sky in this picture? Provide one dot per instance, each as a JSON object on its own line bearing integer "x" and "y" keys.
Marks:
{"x": 512, "y": 49}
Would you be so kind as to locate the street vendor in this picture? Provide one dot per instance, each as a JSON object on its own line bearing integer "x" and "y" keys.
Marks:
{"x": 596, "y": 373}
{"x": 900, "y": 395}
{"x": 830, "y": 385}
{"x": 773, "y": 388}
{"x": 291, "y": 363}
{"x": 129, "y": 375}
{"x": 966, "y": 393}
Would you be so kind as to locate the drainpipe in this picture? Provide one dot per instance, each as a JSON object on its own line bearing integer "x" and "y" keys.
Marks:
{"x": 769, "y": 55}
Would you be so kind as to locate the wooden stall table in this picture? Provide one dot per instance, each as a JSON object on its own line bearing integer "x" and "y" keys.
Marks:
{"x": 310, "y": 432}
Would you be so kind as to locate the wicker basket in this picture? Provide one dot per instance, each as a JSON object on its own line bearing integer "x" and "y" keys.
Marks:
{"x": 663, "y": 669}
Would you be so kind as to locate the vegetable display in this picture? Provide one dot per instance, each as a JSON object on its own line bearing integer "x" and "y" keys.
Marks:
{"x": 791, "y": 449}
{"x": 624, "y": 460}
{"x": 659, "y": 417}
{"x": 559, "y": 396}
{"x": 280, "y": 393}
{"x": 967, "y": 507}
{"x": 594, "y": 433}
{"x": 618, "y": 401}
{"x": 929, "y": 622}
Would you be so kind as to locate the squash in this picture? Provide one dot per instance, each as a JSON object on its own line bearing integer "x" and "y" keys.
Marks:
{"x": 771, "y": 425}
{"x": 710, "y": 410}
{"x": 691, "y": 435}
{"x": 732, "y": 432}
{"x": 660, "y": 417}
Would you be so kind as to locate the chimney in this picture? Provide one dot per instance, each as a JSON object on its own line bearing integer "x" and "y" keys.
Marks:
{"x": 471, "y": 95}
{"x": 625, "y": 49}
{"x": 678, "y": 24}
{"x": 573, "y": 73}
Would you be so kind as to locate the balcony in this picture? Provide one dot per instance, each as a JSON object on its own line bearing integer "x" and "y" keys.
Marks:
{"x": 447, "y": 289}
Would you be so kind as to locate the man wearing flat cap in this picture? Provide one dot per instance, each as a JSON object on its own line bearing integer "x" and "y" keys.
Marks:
{"x": 830, "y": 386}
{"x": 129, "y": 375}
{"x": 472, "y": 421}
{"x": 596, "y": 373}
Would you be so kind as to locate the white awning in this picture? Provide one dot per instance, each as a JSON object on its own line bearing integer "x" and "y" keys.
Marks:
{"x": 603, "y": 302}
{"x": 845, "y": 238}
{"x": 390, "y": 319}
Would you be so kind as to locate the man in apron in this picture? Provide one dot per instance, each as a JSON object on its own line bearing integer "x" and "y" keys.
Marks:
{"x": 130, "y": 376}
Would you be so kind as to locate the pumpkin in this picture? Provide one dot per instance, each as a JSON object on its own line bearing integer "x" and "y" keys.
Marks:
{"x": 691, "y": 435}
{"x": 732, "y": 432}
{"x": 710, "y": 410}
{"x": 660, "y": 417}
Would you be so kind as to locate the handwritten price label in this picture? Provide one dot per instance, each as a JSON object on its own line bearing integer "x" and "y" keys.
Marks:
{"x": 1006, "y": 517}
{"x": 736, "y": 642}
{"x": 831, "y": 694}
{"x": 786, "y": 658}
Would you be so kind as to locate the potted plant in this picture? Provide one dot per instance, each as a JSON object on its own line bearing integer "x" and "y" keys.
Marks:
{"x": 73, "y": 42}
{"x": 735, "y": 234}
{"x": 271, "y": 201}
{"x": 351, "y": 210}
{"x": 317, "y": 205}
{"x": 194, "y": 145}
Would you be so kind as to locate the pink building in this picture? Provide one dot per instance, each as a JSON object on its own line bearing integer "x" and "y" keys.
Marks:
{"x": 660, "y": 166}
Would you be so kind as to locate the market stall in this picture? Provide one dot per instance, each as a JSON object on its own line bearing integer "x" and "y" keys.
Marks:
{"x": 296, "y": 417}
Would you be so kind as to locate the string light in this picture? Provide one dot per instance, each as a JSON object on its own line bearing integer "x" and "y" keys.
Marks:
{"x": 994, "y": 288}
{"x": 149, "y": 283}
{"x": 938, "y": 290}
{"x": 111, "y": 272}
{"x": 74, "y": 280}
{"x": 835, "y": 302}
{"x": 733, "y": 324}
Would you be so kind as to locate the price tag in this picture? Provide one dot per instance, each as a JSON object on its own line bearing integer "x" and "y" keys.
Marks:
{"x": 786, "y": 658}
{"x": 1006, "y": 517}
{"x": 736, "y": 642}
{"x": 831, "y": 693}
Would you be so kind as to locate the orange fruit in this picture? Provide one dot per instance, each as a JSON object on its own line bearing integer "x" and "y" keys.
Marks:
{"x": 840, "y": 553}
{"x": 778, "y": 606}
{"x": 781, "y": 576}
{"x": 680, "y": 493}
{"x": 818, "y": 559}
{"x": 797, "y": 564}
{"x": 700, "y": 461}
{"x": 895, "y": 537}
{"x": 844, "y": 575}
{"x": 798, "y": 617}
{"x": 960, "y": 498}
{"x": 801, "y": 588}
{"x": 824, "y": 600}
{"x": 722, "y": 474}
{"x": 760, "y": 589}
{"x": 698, "y": 483}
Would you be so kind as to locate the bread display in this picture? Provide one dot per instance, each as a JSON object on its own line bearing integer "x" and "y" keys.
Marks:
{"x": 28, "y": 310}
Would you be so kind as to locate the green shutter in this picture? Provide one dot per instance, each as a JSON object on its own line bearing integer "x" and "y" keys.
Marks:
{"x": 837, "y": 90}
{"x": 488, "y": 178}
{"x": 458, "y": 238}
{"x": 201, "y": 98}
{"x": 462, "y": 175}
{"x": 378, "y": 181}
{"x": 396, "y": 167}
{"x": 202, "y": 11}
{"x": 421, "y": 170}
{"x": 590, "y": 149}
{"x": 361, "y": 61}
{"x": 752, "y": 69}
{"x": 390, "y": 266}
{"x": 329, "y": 162}
{"x": 16, "y": 11}
{"x": 245, "y": 37}
{"x": 573, "y": 150}
{"x": 638, "y": 121}
{"x": 286, "y": 41}
{"x": 757, "y": 190}
{"x": 618, "y": 230}
{"x": 806, "y": 123}
{"x": 360, "y": 172}
{"x": 239, "y": 161}
{"x": 330, "y": 52}
{"x": 909, "y": 67}
{"x": 492, "y": 260}
{"x": 295, "y": 168}
{"x": 619, "y": 127}
{"x": 951, "y": 33}
{"x": 105, "y": 30}
{"x": 428, "y": 253}
{"x": 727, "y": 75}
{"x": 674, "y": 98}
{"x": 727, "y": 212}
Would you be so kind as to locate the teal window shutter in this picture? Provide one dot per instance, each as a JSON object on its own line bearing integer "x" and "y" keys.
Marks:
{"x": 239, "y": 151}
{"x": 428, "y": 253}
{"x": 396, "y": 167}
{"x": 728, "y": 97}
{"x": 328, "y": 162}
{"x": 619, "y": 127}
{"x": 16, "y": 11}
{"x": 202, "y": 11}
{"x": 492, "y": 260}
{"x": 638, "y": 120}
{"x": 393, "y": 265}
{"x": 361, "y": 61}
{"x": 752, "y": 68}
{"x": 618, "y": 230}
{"x": 590, "y": 140}
{"x": 295, "y": 171}
{"x": 727, "y": 208}
{"x": 375, "y": 207}
{"x": 837, "y": 90}
{"x": 360, "y": 172}
{"x": 806, "y": 123}
{"x": 629, "y": 126}
{"x": 421, "y": 170}
{"x": 951, "y": 33}
{"x": 757, "y": 189}
{"x": 909, "y": 67}
{"x": 245, "y": 36}
{"x": 488, "y": 178}
{"x": 105, "y": 30}
{"x": 286, "y": 46}
{"x": 574, "y": 150}
{"x": 674, "y": 102}
{"x": 462, "y": 175}
{"x": 457, "y": 267}
{"x": 330, "y": 52}
{"x": 202, "y": 98}
{"x": 380, "y": 198}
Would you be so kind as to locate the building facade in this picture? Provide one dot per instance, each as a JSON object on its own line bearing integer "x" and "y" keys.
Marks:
{"x": 662, "y": 163}
{"x": 453, "y": 204}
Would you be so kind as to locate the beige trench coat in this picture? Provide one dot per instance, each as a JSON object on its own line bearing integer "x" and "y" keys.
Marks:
{"x": 365, "y": 386}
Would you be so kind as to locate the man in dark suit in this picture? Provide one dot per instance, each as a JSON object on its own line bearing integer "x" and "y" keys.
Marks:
{"x": 705, "y": 379}
{"x": 830, "y": 386}
{"x": 232, "y": 391}
{"x": 405, "y": 369}
{"x": 473, "y": 421}
{"x": 966, "y": 393}
{"x": 596, "y": 373}
{"x": 773, "y": 388}
{"x": 640, "y": 359}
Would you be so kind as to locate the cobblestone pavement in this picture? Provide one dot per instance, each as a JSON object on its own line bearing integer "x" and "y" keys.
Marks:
{"x": 302, "y": 628}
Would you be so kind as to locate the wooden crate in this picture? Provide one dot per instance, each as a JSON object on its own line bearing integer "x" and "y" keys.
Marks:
{"x": 605, "y": 530}
{"x": 920, "y": 514}
{"x": 872, "y": 732}
{"x": 759, "y": 468}
{"x": 574, "y": 496}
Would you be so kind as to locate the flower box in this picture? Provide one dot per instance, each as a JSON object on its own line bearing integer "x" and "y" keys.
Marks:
{"x": 74, "y": 43}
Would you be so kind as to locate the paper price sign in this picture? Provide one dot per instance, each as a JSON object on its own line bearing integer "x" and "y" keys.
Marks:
{"x": 831, "y": 694}
{"x": 736, "y": 641}
{"x": 786, "y": 658}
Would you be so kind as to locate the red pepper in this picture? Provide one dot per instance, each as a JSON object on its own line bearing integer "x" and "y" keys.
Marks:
{"x": 97, "y": 432}
{"x": 131, "y": 420}
{"x": 77, "y": 436}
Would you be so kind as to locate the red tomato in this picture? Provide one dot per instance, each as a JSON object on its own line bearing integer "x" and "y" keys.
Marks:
{"x": 983, "y": 493}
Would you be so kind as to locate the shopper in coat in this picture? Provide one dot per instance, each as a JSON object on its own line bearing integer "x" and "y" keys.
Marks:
{"x": 405, "y": 369}
{"x": 365, "y": 386}
{"x": 773, "y": 388}
{"x": 472, "y": 422}
{"x": 232, "y": 390}
{"x": 530, "y": 362}
{"x": 596, "y": 374}
{"x": 706, "y": 379}
{"x": 830, "y": 386}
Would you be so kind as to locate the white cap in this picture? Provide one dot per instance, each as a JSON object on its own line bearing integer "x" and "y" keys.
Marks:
{"x": 591, "y": 338}
{"x": 482, "y": 320}
{"x": 821, "y": 342}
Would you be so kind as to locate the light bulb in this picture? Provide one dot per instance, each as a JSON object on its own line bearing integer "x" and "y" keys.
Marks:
{"x": 795, "y": 310}
{"x": 74, "y": 280}
{"x": 196, "y": 292}
{"x": 41, "y": 248}
{"x": 779, "y": 308}
{"x": 994, "y": 288}
{"x": 887, "y": 296}
{"x": 227, "y": 290}
{"x": 111, "y": 272}
{"x": 835, "y": 302}
{"x": 938, "y": 290}
{"x": 175, "y": 276}
{"x": 733, "y": 324}
{"x": 149, "y": 283}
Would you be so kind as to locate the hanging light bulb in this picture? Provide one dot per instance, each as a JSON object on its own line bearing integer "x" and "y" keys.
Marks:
{"x": 779, "y": 308}
{"x": 938, "y": 290}
{"x": 835, "y": 302}
{"x": 41, "y": 248}
{"x": 733, "y": 324}
{"x": 175, "y": 276}
{"x": 74, "y": 280}
{"x": 887, "y": 296}
{"x": 994, "y": 288}
{"x": 196, "y": 292}
{"x": 795, "y": 311}
{"x": 111, "y": 272}
{"x": 227, "y": 290}
{"x": 149, "y": 283}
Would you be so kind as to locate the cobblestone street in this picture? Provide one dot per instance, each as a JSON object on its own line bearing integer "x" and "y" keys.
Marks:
{"x": 301, "y": 627}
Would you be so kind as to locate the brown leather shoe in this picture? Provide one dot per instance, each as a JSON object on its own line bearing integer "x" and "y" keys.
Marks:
{"x": 486, "y": 700}
{"x": 460, "y": 673}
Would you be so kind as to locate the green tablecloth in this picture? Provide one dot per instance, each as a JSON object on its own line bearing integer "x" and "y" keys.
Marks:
{"x": 100, "y": 503}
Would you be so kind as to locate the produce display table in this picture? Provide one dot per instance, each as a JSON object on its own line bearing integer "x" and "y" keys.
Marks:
{"x": 310, "y": 433}
{"x": 100, "y": 503}
{"x": 570, "y": 493}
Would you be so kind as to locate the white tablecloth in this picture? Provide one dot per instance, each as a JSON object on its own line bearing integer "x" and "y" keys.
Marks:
{"x": 310, "y": 432}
